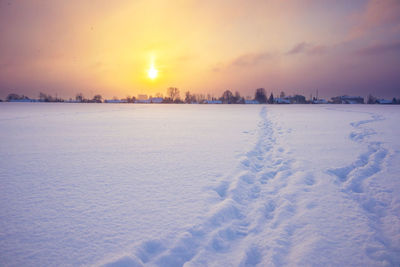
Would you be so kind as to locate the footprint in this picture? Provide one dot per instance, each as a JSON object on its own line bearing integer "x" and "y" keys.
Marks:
{"x": 222, "y": 189}
{"x": 311, "y": 205}
{"x": 309, "y": 179}
{"x": 267, "y": 176}
{"x": 184, "y": 250}
{"x": 247, "y": 178}
{"x": 246, "y": 163}
{"x": 357, "y": 177}
{"x": 149, "y": 249}
{"x": 269, "y": 209}
{"x": 253, "y": 257}
{"x": 125, "y": 261}
{"x": 255, "y": 192}
{"x": 223, "y": 239}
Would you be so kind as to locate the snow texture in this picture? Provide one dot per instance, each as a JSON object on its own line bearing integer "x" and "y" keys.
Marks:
{"x": 199, "y": 185}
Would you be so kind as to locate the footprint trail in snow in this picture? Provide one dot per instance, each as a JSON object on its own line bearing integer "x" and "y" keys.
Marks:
{"x": 272, "y": 211}
{"x": 252, "y": 200}
{"x": 354, "y": 181}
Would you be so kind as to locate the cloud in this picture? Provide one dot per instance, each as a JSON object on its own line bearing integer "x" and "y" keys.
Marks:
{"x": 379, "y": 49}
{"x": 244, "y": 60}
{"x": 378, "y": 14}
{"x": 250, "y": 59}
{"x": 307, "y": 48}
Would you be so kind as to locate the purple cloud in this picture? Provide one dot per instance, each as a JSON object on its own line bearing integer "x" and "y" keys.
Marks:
{"x": 379, "y": 49}
{"x": 307, "y": 48}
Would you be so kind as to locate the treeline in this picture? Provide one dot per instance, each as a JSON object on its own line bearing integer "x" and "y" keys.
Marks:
{"x": 173, "y": 95}
{"x": 228, "y": 97}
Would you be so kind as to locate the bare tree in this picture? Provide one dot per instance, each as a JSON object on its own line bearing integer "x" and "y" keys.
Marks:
{"x": 188, "y": 97}
{"x": 237, "y": 99}
{"x": 227, "y": 97}
{"x": 173, "y": 93}
{"x": 200, "y": 98}
{"x": 48, "y": 98}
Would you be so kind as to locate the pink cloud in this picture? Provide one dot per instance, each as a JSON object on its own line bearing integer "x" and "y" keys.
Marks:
{"x": 376, "y": 15}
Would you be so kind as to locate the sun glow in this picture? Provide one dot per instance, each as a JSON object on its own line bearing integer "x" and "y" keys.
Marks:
{"x": 152, "y": 72}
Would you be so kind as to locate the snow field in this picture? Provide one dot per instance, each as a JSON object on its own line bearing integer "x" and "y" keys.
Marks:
{"x": 178, "y": 185}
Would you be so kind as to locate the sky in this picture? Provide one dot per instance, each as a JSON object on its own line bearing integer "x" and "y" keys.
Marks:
{"x": 107, "y": 47}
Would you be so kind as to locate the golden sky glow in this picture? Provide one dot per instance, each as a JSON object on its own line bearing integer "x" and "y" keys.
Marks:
{"x": 106, "y": 47}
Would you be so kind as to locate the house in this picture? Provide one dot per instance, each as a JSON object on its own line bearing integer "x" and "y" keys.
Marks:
{"x": 319, "y": 101}
{"x": 23, "y": 100}
{"x": 384, "y": 101}
{"x": 297, "y": 99}
{"x": 73, "y": 101}
{"x": 142, "y": 101}
{"x": 115, "y": 101}
{"x": 280, "y": 100}
{"x": 347, "y": 100}
{"x": 156, "y": 100}
{"x": 212, "y": 102}
{"x": 251, "y": 101}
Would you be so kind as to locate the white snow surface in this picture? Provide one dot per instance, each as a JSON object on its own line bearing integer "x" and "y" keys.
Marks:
{"x": 199, "y": 185}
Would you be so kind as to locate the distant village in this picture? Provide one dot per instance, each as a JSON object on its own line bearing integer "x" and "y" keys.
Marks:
{"x": 173, "y": 96}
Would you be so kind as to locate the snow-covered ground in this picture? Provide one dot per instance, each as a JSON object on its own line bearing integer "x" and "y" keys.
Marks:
{"x": 199, "y": 185}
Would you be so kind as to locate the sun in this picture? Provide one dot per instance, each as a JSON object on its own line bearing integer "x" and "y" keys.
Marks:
{"x": 152, "y": 72}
